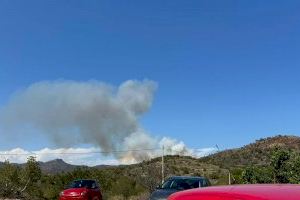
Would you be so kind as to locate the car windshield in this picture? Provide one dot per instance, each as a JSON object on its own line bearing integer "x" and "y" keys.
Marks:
{"x": 82, "y": 184}
{"x": 181, "y": 184}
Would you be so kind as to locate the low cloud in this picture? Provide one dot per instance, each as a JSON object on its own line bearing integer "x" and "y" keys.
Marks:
{"x": 76, "y": 156}
{"x": 89, "y": 156}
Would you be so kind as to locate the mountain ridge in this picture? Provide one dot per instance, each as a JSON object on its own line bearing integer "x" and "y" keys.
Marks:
{"x": 255, "y": 153}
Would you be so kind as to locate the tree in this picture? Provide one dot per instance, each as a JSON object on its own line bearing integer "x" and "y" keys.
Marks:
{"x": 280, "y": 163}
{"x": 31, "y": 177}
{"x": 150, "y": 177}
{"x": 9, "y": 180}
{"x": 249, "y": 176}
{"x": 294, "y": 175}
{"x": 33, "y": 170}
{"x": 255, "y": 174}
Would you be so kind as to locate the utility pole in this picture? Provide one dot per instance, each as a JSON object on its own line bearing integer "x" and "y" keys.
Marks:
{"x": 162, "y": 165}
{"x": 229, "y": 178}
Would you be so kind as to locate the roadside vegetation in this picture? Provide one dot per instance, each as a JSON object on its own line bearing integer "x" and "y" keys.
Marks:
{"x": 274, "y": 160}
{"x": 30, "y": 183}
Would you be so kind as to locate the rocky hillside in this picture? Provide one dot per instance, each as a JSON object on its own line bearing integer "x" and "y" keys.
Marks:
{"x": 57, "y": 166}
{"x": 257, "y": 153}
{"x": 53, "y": 167}
{"x": 215, "y": 166}
{"x": 177, "y": 165}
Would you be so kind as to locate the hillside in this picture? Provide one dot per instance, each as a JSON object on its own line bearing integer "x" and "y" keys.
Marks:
{"x": 177, "y": 165}
{"x": 53, "y": 167}
{"x": 257, "y": 153}
{"x": 140, "y": 179}
{"x": 214, "y": 166}
{"x": 57, "y": 166}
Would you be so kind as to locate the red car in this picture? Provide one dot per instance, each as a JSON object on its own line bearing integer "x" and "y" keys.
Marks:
{"x": 241, "y": 192}
{"x": 82, "y": 190}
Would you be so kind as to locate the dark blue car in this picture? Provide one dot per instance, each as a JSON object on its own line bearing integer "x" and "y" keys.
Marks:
{"x": 178, "y": 183}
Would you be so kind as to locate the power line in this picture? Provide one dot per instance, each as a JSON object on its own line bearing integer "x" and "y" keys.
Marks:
{"x": 190, "y": 151}
{"x": 75, "y": 153}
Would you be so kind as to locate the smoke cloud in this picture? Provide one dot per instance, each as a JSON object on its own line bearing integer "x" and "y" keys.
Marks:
{"x": 92, "y": 112}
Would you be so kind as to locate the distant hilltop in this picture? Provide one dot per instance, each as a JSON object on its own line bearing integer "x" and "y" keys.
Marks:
{"x": 257, "y": 153}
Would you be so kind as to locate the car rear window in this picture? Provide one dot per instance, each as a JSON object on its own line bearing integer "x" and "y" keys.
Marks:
{"x": 182, "y": 184}
{"x": 83, "y": 184}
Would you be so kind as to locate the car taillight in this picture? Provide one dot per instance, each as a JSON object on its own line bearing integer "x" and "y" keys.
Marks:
{"x": 83, "y": 193}
{"x": 61, "y": 194}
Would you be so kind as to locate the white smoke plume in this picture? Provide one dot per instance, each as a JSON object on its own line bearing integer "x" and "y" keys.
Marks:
{"x": 92, "y": 112}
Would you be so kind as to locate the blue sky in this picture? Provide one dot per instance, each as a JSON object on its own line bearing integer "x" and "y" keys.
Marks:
{"x": 228, "y": 71}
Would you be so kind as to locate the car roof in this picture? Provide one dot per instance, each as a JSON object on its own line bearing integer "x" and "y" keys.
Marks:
{"x": 245, "y": 192}
{"x": 85, "y": 180}
{"x": 187, "y": 177}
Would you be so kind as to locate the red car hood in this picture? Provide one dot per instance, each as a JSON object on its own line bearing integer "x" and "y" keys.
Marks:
{"x": 73, "y": 192}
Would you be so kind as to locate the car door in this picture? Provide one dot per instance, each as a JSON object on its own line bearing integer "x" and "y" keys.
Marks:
{"x": 201, "y": 197}
{"x": 204, "y": 183}
{"x": 207, "y": 197}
